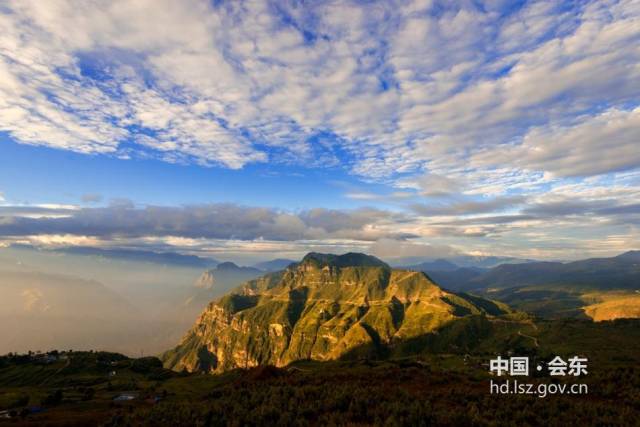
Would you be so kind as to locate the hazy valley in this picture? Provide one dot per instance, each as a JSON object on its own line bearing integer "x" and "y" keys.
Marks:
{"x": 339, "y": 323}
{"x": 98, "y": 300}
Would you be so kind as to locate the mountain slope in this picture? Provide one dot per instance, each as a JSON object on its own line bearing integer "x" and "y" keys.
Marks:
{"x": 613, "y": 305}
{"x": 436, "y": 265}
{"x": 226, "y": 276}
{"x": 214, "y": 283}
{"x": 274, "y": 265}
{"x": 326, "y": 307}
{"x": 620, "y": 272}
{"x": 455, "y": 279}
{"x": 598, "y": 288}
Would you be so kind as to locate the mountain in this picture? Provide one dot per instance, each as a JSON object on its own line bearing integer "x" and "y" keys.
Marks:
{"x": 456, "y": 279}
{"x": 480, "y": 261}
{"x": 599, "y": 288}
{"x": 216, "y": 282}
{"x": 167, "y": 258}
{"x": 206, "y": 280}
{"x": 436, "y": 265}
{"x": 226, "y": 276}
{"x": 274, "y": 265}
{"x": 459, "y": 261}
{"x": 630, "y": 256}
{"x": 620, "y": 272}
{"x": 325, "y": 307}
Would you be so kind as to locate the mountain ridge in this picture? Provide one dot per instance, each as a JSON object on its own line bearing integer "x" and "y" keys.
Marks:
{"x": 596, "y": 288}
{"x": 171, "y": 258}
{"x": 274, "y": 264}
{"x": 322, "y": 308}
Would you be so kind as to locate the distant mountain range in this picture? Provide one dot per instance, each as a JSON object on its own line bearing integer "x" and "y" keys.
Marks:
{"x": 436, "y": 265}
{"x": 325, "y": 307}
{"x": 177, "y": 259}
{"x": 169, "y": 258}
{"x": 459, "y": 261}
{"x": 606, "y": 286}
{"x": 274, "y": 265}
{"x": 481, "y": 261}
{"x": 620, "y": 272}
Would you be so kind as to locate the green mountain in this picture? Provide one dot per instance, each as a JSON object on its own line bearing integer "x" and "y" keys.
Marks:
{"x": 325, "y": 307}
{"x": 621, "y": 272}
{"x": 597, "y": 288}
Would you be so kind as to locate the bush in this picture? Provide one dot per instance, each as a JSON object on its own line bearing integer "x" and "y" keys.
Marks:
{"x": 53, "y": 399}
{"x": 145, "y": 365}
{"x": 13, "y": 400}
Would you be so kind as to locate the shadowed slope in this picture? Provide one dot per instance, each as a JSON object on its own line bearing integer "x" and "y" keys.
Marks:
{"x": 322, "y": 308}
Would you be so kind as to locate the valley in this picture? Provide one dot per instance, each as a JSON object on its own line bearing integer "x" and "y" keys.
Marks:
{"x": 325, "y": 329}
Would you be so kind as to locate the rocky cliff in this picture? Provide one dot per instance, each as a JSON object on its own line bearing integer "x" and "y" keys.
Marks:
{"x": 325, "y": 307}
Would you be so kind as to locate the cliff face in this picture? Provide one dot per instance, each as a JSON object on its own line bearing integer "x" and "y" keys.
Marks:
{"x": 206, "y": 280}
{"x": 322, "y": 308}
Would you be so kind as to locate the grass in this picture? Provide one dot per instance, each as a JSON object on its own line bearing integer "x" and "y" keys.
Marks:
{"x": 612, "y": 305}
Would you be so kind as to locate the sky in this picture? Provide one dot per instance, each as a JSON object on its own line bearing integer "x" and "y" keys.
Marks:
{"x": 249, "y": 130}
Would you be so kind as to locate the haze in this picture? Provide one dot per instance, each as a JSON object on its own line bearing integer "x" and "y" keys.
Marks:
{"x": 240, "y": 131}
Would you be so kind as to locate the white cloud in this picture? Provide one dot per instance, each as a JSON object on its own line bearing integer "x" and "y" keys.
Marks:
{"x": 362, "y": 195}
{"x": 239, "y": 83}
{"x": 393, "y": 249}
{"x": 60, "y": 240}
{"x": 604, "y": 143}
{"x": 490, "y": 112}
{"x": 212, "y": 221}
{"x": 431, "y": 184}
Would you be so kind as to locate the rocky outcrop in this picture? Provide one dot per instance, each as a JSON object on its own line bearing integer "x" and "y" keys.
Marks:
{"x": 206, "y": 280}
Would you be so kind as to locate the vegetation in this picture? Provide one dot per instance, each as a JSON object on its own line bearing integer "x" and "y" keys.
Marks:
{"x": 389, "y": 393}
{"x": 425, "y": 389}
{"x": 325, "y": 308}
{"x": 612, "y": 305}
{"x": 598, "y": 288}
{"x": 341, "y": 341}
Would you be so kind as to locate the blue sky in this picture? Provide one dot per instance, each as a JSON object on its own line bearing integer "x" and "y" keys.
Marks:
{"x": 97, "y": 179}
{"x": 401, "y": 128}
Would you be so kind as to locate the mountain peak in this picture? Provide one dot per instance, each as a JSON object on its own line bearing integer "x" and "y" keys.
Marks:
{"x": 227, "y": 266}
{"x": 275, "y": 264}
{"x": 633, "y": 256}
{"x": 351, "y": 259}
{"x": 303, "y": 313}
{"x": 206, "y": 280}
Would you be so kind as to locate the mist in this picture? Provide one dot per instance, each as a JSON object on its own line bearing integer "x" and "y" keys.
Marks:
{"x": 55, "y": 300}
